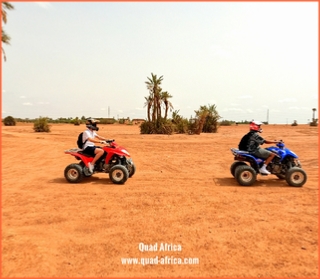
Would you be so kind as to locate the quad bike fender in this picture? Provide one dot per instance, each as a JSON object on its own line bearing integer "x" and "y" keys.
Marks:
{"x": 279, "y": 152}
{"x": 116, "y": 152}
{"x": 79, "y": 156}
{"x": 247, "y": 157}
{"x": 290, "y": 153}
{"x": 282, "y": 153}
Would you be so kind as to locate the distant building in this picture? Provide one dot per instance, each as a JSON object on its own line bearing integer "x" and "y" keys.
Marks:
{"x": 138, "y": 121}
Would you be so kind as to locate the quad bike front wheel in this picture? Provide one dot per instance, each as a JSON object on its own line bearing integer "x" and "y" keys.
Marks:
{"x": 296, "y": 177}
{"x": 245, "y": 175}
{"x": 131, "y": 169}
{"x": 118, "y": 174}
{"x": 73, "y": 173}
{"x": 234, "y": 166}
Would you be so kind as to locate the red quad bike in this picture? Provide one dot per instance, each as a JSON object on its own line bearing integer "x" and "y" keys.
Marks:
{"x": 116, "y": 161}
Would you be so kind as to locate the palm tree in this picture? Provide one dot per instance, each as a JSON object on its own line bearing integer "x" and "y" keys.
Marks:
{"x": 154, "y": 88}
{"x": 148, "y": 104}
{"x": 207, "y": 117}
{"x": 5, "y": 38}
{"x": 211, "y": 123}
{"x": 167, "y": 104}
{"x": 176, "y": 117}
{"x": 201, "y": 114}
{"x": 5, "y": 6}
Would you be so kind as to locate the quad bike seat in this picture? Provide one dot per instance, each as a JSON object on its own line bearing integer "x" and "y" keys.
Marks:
{"x": 85, "y": 154}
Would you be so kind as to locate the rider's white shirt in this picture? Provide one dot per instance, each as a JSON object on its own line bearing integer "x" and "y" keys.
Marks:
{"x": 88, "y": 134}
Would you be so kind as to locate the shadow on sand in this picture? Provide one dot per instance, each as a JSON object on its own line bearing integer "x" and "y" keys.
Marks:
{"x": 86, "y": 180}
{"x": 270, "y": 182}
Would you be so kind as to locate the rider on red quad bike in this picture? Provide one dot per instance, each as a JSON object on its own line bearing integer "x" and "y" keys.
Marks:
{"x": 110, "y": 158}
{"x": 89, "y": 138}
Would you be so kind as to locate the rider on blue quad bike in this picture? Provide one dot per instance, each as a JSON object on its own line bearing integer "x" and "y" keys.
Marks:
{"x": 254, "y": 140}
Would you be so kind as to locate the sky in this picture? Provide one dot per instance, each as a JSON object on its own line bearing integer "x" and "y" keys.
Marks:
{"x": 252, "y": 60}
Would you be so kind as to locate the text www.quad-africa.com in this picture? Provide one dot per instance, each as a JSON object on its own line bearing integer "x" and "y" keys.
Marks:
{"x": 156, "y": 260}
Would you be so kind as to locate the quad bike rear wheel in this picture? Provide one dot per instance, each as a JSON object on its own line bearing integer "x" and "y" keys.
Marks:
{"x": 73, "y": 173}
{"x": 296, "y": 177}
{"x": 245, "y": 175}
{"x": 118, "y": 174}
{"x": 234, "y": 166}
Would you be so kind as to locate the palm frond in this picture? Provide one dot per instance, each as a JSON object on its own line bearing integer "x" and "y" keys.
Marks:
{"x": 5, "y": 6}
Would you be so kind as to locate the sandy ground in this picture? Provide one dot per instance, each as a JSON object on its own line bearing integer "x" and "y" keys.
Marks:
{"x": 182, "y": 195}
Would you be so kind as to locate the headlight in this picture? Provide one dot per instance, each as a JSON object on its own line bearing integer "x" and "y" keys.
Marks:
{"x": 125, "y": 152}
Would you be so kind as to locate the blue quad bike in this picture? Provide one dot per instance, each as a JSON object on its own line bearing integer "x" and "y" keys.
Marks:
{"x": 285, "y": 165}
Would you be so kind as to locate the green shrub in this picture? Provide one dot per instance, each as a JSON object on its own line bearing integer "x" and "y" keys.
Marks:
{"x": 41, "y": 125}
{"x": 193, "y": 123}
{"x": 76, "y": 121}
{"x": 226, "y": 123}
{"x": 9, "y": 121}
{"x": 211, "y": 125}
{"x": 106, "y": 120}
{"x": 166, "y": 128}
{"x": 160, "y": 127}
{"x": 182, "y": 126}
{"x": 147, "y": 127}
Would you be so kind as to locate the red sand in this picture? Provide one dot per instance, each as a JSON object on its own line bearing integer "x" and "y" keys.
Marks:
{"x": 182, "y": 194}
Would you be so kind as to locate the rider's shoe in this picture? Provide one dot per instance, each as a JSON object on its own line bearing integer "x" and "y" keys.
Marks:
{"x": 263, "y": 170}
{"x": 90, "y": 166}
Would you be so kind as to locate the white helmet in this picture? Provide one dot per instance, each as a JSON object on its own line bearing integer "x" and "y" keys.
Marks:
{"x": 91, "y": 123}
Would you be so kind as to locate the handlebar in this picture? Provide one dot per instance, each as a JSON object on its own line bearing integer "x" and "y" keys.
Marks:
{"x": 107, "y": 141}
{"x": 280, "y": 144}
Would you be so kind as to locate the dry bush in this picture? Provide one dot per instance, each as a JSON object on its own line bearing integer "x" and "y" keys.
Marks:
{"x": 41, "y": 125}
{"x": 9, "y": 121}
